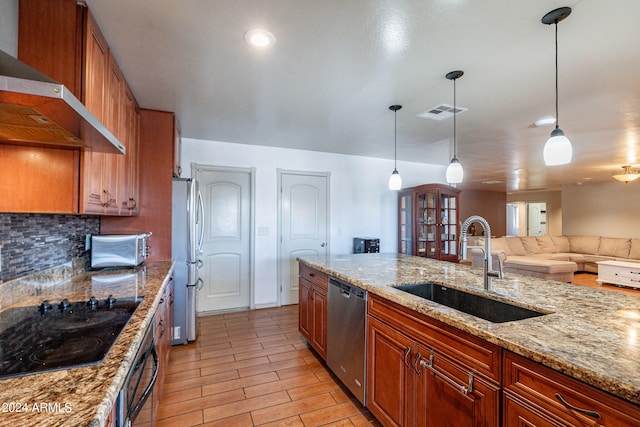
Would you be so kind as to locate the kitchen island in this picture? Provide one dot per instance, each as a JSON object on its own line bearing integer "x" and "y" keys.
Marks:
{"x": 82, "y": 396}
{"x": 591, "y": 335}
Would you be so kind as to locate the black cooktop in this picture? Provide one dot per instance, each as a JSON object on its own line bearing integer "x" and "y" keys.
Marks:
{"x": 60, "y": 335}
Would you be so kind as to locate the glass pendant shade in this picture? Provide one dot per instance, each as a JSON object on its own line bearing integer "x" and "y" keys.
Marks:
{"x": 557, "y": 150}
{"x": 395, "y": 181}
{"x": 455, "y": 173}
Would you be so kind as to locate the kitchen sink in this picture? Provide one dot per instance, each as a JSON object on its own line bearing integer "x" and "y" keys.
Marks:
{"x": 476, "y": 305}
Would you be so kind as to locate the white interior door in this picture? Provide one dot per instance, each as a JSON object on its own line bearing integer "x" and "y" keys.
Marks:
{"x": 304, "y": 225}
{"x": 536, "y": 219}
{"x": 226, "y": 248}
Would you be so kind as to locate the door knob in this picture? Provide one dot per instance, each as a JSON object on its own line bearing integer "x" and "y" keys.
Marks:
{"x": 323, "y": 244}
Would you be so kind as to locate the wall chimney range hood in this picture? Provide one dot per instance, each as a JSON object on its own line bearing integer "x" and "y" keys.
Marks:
{"x": 35, "y": 109}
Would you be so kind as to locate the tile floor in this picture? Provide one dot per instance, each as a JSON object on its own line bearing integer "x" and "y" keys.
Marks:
{"x": 252, "y": 368}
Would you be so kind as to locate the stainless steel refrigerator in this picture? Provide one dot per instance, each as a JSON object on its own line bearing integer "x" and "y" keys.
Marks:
{"x": 186, "y": 249}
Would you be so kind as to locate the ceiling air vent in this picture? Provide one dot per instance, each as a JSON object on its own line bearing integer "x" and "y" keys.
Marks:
{"x": 441, "y": 112}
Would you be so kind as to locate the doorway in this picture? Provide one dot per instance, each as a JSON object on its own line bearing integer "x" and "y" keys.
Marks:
{"x": 527, "y": 219}
{"x": 227, "y": 272}
{"x": 303, "y": 225}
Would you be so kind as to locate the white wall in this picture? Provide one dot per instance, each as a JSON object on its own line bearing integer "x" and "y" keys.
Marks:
{"x": 609, "y": 209}
{"x": 9, "y": 26}
{"x": 360, "y": 201}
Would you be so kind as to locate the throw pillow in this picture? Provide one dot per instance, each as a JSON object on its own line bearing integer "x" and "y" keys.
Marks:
{"x": 562, "y": 243}
{"x": 530, "y": 244}
{"x": 546, "y": 244}
{"x": 584, "y": 244}
{"x": 515, "y": 246}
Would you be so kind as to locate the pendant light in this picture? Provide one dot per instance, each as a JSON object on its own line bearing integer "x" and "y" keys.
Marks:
{"x": 395, "y": 181}
{"x": 455, "y": 173}
{"x": 557, "y": 150}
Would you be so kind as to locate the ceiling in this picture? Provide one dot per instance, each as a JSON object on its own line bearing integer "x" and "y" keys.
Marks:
{"x": 338, "y": 65}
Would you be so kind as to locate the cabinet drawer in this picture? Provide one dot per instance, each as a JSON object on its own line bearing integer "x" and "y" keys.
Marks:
{"x": 471, "y": 352}
{"x": 314, "y": 276}
{"x": 544, "y": 388}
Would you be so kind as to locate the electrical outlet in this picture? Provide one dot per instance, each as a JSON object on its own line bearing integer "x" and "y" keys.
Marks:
{"x": 87, "y": 242}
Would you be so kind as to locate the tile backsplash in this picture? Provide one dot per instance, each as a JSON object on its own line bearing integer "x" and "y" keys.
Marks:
{"x": 33, "y": 242}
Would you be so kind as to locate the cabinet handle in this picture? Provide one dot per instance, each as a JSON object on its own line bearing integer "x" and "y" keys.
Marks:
{"x": 109, "y": 198}
{"x": 131, "y": 203}
{"x": 461, "y": 388}
{"x": 415, "y": 364}
{"x": 587, "y": 412}
{"x": 406, "y": 354}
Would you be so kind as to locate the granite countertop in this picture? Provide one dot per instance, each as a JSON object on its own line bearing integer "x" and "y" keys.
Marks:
{"x": 80, "y": 396}
{"x": 592, "y": 335}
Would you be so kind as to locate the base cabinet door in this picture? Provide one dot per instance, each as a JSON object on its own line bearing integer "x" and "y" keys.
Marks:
{"x": 448, "y": 395}
{"x": 312, "y": 308}
{"x": 389, "y": 374}
{"x": 319, "y": 320}
{"x": 304, "y": 298}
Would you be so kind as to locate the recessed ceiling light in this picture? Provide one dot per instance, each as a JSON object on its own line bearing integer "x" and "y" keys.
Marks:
{"x": 545, "y": 121}
{"x": 259, "y": 39}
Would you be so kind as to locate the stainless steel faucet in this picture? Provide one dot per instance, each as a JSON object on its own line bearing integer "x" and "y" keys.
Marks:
{"x": 488, "y": 272}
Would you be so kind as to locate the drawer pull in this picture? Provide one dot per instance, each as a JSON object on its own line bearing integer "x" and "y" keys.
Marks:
{"x": 461, "y": 388}
{"x": 406, "y": 354}
{"x": 593, "y": 414}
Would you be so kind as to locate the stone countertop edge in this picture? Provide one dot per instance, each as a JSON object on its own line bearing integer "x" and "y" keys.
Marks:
{"x": 583, "y": 337}
{"x": 84, "y": 396}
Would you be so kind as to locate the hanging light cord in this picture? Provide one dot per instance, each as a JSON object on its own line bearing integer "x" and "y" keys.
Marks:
{"x": 455, "y": 152}
{"x": 557, "y": 119}
{"x": 395, "y": 140}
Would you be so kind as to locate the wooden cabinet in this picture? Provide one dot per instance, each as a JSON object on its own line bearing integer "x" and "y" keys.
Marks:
{"x": 428, "y": 222}
{"x": 62, "y": 40}
{"x": 177, "y": 149}
{"x": 156, "y": 145}
{"x": 49, "y": 186}
{"x": 312, "y": 313}
{"x": 129, "y": 187}
{"x": 390, "y": 374}
{"x": 535, "y": 395}
{"x": 163, "y": 330}
{"x": 421, "y": 372}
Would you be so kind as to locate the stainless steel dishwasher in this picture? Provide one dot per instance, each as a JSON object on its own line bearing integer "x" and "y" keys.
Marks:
{"x": 346, "y": 335}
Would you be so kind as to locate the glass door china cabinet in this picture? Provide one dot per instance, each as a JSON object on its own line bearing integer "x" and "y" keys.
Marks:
{"x": 428, "y": 222}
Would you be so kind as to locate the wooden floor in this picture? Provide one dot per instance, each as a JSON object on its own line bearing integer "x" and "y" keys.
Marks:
{"x": 252, "y": 368}
{"x": 591, "y": 280}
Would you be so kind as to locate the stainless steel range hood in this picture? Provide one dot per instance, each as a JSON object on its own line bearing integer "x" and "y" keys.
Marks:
{"x": 35, "y": 109}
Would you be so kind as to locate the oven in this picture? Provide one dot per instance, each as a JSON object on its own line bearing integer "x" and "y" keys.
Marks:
{"x": 135, "y": 401}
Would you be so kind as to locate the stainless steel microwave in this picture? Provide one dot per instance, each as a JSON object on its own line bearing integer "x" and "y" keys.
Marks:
{"x": 119, "y": 250}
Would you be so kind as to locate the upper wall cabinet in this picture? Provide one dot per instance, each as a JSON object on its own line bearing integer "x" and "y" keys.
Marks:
{"x": 61, "y": 39}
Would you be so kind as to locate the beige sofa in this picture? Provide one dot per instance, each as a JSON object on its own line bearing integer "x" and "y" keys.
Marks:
{"x": 557, "y": 257}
